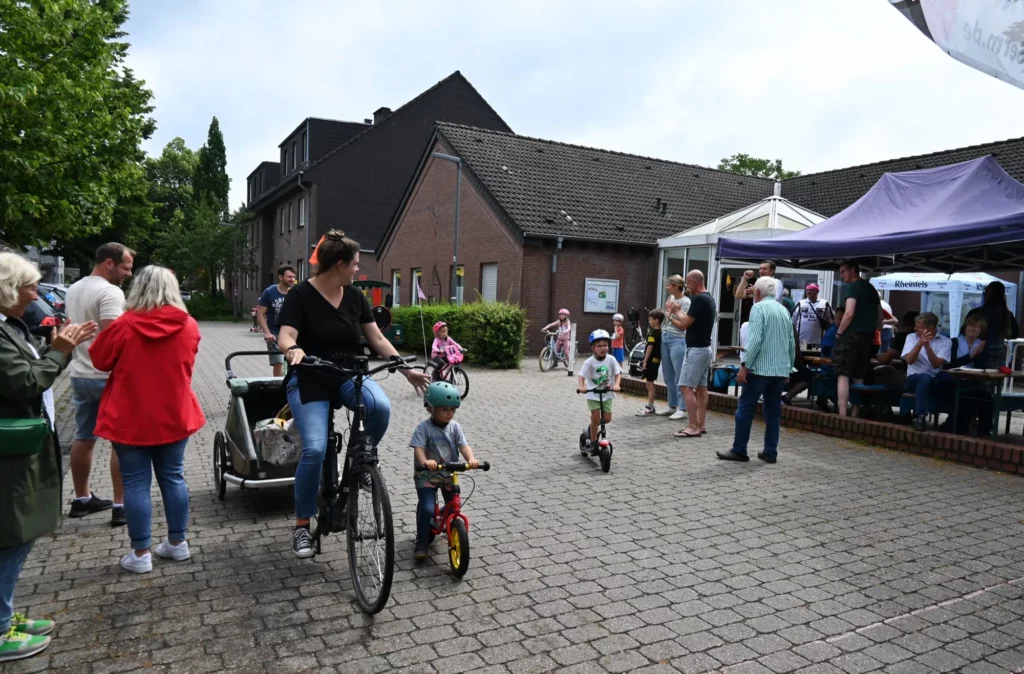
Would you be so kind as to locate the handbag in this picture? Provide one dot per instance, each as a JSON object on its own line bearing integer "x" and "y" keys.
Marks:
{"x": 23, "y": 437}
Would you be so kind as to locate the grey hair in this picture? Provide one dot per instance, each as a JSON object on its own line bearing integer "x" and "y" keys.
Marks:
{"x": 765, "y": 287}
{"x": 152, "y": 288}
{"x": 16, "y": 272}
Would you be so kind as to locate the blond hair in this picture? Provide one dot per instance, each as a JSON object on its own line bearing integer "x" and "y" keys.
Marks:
{"x": 152, "y": 288}
{"x": 16, "y": 272}
{"x": 676, "y": 280}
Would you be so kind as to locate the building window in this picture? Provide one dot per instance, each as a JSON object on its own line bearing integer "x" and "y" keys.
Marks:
{"x": 250, "y": 190}
{"x": 284, "y": 166}
{"x": 291, "y": 215}
{"x": 416, "y": 294}
{"x": 302, "y": 211}
{"x": 396, "y": 288}
{"x": 300, "y": 265}
{"x": 295, "y": 153}
{"x": 489, "y": 282}
{"x": 460, "y": 276}
{"x": 280, "y": 219}
{"x": 305, "y": 149}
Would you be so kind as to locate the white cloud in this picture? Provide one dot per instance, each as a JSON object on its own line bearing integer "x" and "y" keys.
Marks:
{"x": 819, "y": 84}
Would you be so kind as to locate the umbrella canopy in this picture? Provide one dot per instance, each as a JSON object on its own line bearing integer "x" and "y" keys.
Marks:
{"x": 960, "y": 217}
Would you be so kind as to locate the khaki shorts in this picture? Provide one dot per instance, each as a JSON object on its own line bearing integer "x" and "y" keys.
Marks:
{"x": 604, "y": 405}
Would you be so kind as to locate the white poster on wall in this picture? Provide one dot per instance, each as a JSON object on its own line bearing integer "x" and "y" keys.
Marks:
{"x": 601, "y": 296}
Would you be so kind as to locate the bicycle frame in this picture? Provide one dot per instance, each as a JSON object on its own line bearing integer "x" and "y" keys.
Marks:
{"x": 552, "y": 343}
{"x": 452, "y": 510}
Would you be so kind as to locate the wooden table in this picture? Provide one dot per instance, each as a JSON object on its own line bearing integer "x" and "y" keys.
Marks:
{"x": 992, "y": 382}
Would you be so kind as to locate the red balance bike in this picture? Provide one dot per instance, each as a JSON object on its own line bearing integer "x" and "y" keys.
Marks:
{"x": 451, "y": 522}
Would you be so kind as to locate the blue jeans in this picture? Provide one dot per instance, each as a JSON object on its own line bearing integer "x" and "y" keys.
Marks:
{"x": 920, "y": 385}
{"x": 312, "y": 420}
{"x": 11, "y": 560}
{"x": 137, "y": 467}
{"x": 771, "y": 388}
{"x": 673, "y": 353}
{"x": 425, "y": 511}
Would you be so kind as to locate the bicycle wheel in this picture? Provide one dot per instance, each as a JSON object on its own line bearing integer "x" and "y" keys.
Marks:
{"x": 458, "y": 548}
{"x": 428, "y": 370}
{"x": 371, "y": 538}
{"x": 606, "y": 457}
{"x": 220, "y": 462}
{"x": 547, "y": 359}
{"x": 460, "y": 380}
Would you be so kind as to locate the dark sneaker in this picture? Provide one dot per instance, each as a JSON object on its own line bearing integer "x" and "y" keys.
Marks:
{"x": 93, "y": 505}
{"x": 37, "y": 628}
{"x": 16, "y": 645}
{"x": 117, "y": 517}
{"x": 302, "y": 543}
{"x": 421, "y": 552}
{"x": 767, "y": 459}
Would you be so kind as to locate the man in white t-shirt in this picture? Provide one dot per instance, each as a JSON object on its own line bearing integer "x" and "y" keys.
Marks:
{"x": 745, "y": 287}
{"x": 97, "y": 297}
{"x": 925, "y": 353}
{"x": 813, "y": 316}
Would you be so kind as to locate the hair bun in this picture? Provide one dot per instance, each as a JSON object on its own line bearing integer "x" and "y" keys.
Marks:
{"x": 336, "y": 235}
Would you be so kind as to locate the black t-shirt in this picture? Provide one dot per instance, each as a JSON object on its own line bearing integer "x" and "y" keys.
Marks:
{"x": 654, "y": 343}
{"x": 865, "y": 313}
{"x": 324, "y": 331}
{"x": 702, "y": 310}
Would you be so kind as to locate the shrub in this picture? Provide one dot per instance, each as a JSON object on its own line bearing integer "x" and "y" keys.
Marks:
{"x": 210, "y": 308}
{"x": 493, "y": 333}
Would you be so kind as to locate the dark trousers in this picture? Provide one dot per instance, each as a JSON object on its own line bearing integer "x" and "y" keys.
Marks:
{"x": 920, "y": 385}
{"x": 756, "y": 386}
{"x": 425, "y": 511}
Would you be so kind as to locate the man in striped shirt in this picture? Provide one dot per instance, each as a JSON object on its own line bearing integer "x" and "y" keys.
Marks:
{"x": 770, "y": 350}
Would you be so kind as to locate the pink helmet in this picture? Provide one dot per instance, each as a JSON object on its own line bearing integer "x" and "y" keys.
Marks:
{"x": 439, "y": 325}
{"x": 563, "y": 311}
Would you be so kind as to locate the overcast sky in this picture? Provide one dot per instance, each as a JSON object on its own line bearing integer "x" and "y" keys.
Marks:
{"x": 819, "y": 84}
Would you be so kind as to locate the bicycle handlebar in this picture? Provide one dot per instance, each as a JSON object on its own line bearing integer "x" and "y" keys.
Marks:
{"x": 227, "y": 360}
{"x": 394, "y": 364}
{"x": 455, "y": 467}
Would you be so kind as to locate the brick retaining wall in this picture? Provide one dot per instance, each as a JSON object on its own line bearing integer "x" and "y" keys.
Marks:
{"x": 981, "y": 452}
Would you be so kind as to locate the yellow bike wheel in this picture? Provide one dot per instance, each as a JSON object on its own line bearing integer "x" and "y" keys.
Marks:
{"x": 458, "y": 548}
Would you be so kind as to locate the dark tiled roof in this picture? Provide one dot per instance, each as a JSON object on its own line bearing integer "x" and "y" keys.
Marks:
{"x": 362, "y": 182}
{"x": 609, "y": 195}
{"x": 829, "y": 192}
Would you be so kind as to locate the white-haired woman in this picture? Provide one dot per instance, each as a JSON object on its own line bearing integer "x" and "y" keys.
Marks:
{"x": 148, "y": 409}
{"x": 30, "y": 471}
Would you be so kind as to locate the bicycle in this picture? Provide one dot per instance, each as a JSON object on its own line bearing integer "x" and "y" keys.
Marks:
{"x": 636, "y": 332}
{"x": 451, "y": 522}
{"x": 358, "y": 502}
{"x": 603, "y": 450}
{"x": 550, "y": 356}
{"x": 451, "y": 371}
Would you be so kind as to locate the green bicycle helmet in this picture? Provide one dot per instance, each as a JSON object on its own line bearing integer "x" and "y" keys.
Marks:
{"x": 442, "y": 394}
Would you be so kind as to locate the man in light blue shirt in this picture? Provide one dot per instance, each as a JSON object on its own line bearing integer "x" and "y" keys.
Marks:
{"x": 770, "y": 350}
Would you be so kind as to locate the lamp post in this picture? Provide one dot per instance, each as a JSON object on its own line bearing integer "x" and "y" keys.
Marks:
{"x": 458, "y": 198}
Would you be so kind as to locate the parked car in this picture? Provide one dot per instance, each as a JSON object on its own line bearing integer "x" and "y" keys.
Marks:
{"x": 54, "y": 294}
{"x": 41, "y": 318}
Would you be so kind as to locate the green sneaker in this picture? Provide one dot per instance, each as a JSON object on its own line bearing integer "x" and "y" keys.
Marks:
{"x": 16, "y": 645}
{"x": 37, "y": 628}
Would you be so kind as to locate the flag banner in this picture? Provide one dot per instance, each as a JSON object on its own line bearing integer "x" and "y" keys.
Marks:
{"x": 987, "y": 35}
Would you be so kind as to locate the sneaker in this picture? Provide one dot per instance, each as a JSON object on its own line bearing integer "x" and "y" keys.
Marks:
{"x": 646, "y": 411}
{"x": 421, "y": 552}
{"x": 678, "y": 415}
{"x": 117, "y": 517}
{"x": 665, "y": 412}
{"x": 37, "y": 628}
{"x": 178, "y": 553}
{"x": 93, "y": 505}
{"x": 302, "y": 543}
{"x": 16, "y": 645}
{"x": 135, "y": 564}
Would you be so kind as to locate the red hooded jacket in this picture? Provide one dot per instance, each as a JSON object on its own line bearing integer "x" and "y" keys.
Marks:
{"x": 148, "y": 399}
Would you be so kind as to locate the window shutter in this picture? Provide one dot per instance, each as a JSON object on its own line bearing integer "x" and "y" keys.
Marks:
{"x": 489, "y": 282}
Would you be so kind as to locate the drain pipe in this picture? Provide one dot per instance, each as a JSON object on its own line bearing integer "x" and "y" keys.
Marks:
{"x": 554, "y": 276}
{"x": 308, "y": 254}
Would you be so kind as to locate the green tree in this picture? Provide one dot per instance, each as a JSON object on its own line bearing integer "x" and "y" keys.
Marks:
{"x": 72, "y": 117}
{"x": 171, "y": 180}
{"x": 211, "y": 178}
{"x": 746, "y": 165}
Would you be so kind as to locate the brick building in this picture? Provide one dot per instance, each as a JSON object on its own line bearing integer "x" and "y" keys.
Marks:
{"x": 346, "y": 175}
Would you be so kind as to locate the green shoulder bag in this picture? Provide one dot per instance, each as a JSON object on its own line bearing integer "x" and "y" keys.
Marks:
{"x": 23, "y": 437}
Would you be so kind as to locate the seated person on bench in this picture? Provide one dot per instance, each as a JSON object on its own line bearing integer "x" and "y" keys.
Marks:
{"x": 925, "y": 352}
{"x": 800, "y": 380}
{"x": 969, "y": 351}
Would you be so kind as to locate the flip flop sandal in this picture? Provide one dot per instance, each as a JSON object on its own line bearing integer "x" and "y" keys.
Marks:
{"x": 684, "y": 434}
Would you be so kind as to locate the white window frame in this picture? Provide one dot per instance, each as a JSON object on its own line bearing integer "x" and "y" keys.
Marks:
{"x": 396, "y": 287}
{"x": 414, "y": 296}
{"x": 302, "y": 212}
{"x": 483, "y": 295}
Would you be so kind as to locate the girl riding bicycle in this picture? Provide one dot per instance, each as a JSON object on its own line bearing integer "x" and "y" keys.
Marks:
{"x": 325, "y": 317}
{"x": 563, "y": 326}
{"x": 439, "y": 350}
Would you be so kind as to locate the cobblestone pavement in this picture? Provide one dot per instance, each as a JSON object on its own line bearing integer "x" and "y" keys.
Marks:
{"x": 840, "y": 558}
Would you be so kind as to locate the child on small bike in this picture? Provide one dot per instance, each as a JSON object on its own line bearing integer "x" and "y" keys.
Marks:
{"x": 599, "y": 371}
{"x": 438, "y": 351}
{"x": 436, "y": 441}
{"x": 618, "y": 339}
{"x": 652, "y": 359}
{"x": 563, "y": 326}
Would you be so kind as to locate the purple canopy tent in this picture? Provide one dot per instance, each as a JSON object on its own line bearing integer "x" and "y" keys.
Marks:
{"x": 963, "y": 217}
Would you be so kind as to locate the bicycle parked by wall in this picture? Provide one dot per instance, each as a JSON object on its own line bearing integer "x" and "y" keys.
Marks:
{"x": 636, "y": 331}
{"x": 357, "y": 502}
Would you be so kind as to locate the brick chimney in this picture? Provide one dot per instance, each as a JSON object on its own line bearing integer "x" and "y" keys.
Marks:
{"x": 380, "y": 114}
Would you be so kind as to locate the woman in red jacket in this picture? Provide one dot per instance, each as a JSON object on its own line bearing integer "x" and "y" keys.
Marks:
{"x": 148, "y": 409}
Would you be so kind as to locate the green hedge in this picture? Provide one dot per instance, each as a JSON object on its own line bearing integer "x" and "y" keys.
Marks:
{"x": 493, "y": 333}
{"x": 210, "y": 308}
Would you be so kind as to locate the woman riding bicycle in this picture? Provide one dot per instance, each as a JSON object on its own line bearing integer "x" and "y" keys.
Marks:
{"x": 325, "y": 317}
{"x": 563, "y": 326}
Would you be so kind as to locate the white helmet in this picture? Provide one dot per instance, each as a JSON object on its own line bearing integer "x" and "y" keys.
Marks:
{"x": 599, "y": 334}
{"x": 617, "y": 317}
